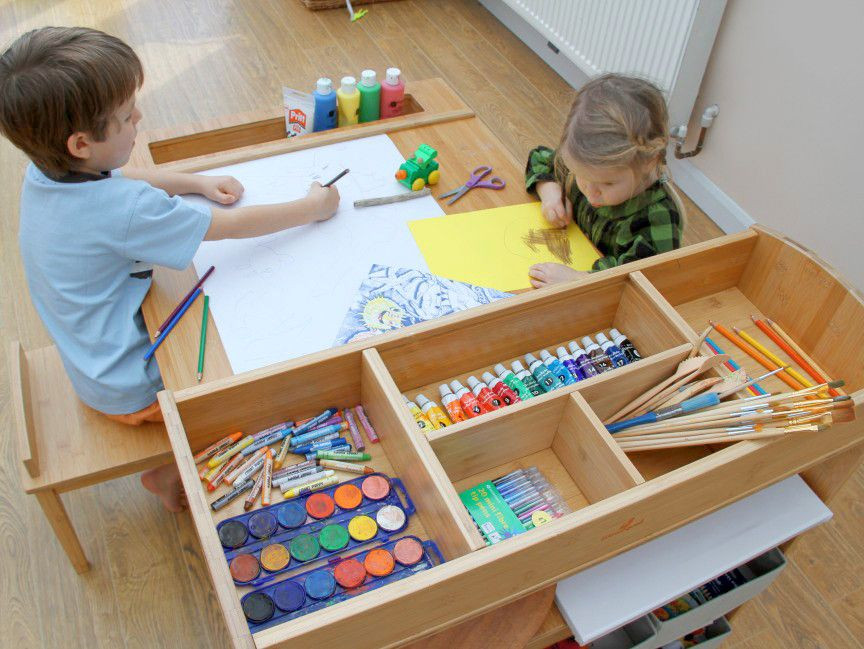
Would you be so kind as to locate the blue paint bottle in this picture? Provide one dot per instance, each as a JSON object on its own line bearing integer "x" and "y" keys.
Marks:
{"x": 568, "y": 362}
{"x": 583, "y": 362}
{"x": 612, "y": 351}
{"x": 547, "y": 380}
{"x": 557, "y": 368}
{"x": 625, "y": 346}
{"x": 325, "y": 106}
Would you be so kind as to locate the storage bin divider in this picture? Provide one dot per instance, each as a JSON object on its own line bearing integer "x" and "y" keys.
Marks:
{"x": 445, "y": 519}
{"x": 650, "y": 297}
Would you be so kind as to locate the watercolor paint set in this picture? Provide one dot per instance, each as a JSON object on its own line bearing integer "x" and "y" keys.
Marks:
{"x": 340, "y": 580}
{"x": 284, "y": 536}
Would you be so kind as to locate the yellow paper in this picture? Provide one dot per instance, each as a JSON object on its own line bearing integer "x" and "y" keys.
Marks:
{"x": 496, "y": 247}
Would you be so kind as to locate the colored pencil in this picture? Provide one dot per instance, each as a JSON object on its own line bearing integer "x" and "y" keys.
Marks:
{"x": 203, "y": 342}
{"x": 171, "y": 325}
{"x": 772, "y": 357}
{"x": 782, "y": 339}
{"x": 338, "y": 176}
{"x": 732, "y": 365}
{"x": 755, "y": 355}
{"x": 182, "y": 302}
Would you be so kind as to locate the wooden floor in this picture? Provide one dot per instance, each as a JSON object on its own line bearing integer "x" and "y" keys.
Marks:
{"x": 204, "y": 59}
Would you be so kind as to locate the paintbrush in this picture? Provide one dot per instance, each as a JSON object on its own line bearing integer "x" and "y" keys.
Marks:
{"x": 824, "y": 419}
{"x": 636, "y": 447}
{"x": 691, "y": 390}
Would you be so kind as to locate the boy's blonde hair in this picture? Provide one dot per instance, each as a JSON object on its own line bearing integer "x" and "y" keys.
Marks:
{"x": 56, "y": 81}
{"x": 617, "y": 121}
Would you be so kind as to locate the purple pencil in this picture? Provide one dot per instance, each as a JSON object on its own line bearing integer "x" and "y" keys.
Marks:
{"x": 183, "y": 301}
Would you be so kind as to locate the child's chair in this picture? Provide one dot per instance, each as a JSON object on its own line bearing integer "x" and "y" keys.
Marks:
{"x": 64, "y": 445}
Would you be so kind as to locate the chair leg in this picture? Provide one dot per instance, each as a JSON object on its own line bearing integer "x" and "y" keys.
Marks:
{"x": 56, "y": 514}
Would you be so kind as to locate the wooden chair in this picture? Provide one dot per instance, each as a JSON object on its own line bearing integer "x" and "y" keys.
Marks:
{"x": 64, "y": 445}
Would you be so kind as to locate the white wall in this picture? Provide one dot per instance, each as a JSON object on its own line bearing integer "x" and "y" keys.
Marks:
{"x": 787, "y": 145}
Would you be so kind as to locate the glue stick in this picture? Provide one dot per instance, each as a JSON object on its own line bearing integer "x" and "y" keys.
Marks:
{"x": 470, "y": 406}
{"x": 348, "y": 99}
{"x": 370, "y": 96}
{"x": 513, "y": 382}
{"x": 488, "y": 399}
{"x": 451, "y": 403}
{"x": 422, "y": 420}
{"x": 433, "y": 412}
{"x": 392, "y": 93}
{"x": 507, "y": 396}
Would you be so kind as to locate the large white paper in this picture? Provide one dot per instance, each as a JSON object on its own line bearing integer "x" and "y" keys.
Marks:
{"x": 611, "y": 594}
{"x": 284, "y": 295}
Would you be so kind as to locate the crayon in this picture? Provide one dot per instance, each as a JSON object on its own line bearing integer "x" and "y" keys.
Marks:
{"x": 256, "y": 489}
{"x": 321, "y": 445}
{"x": 217, "y": 447}
{"x": 231, "y": 495}
{"x": 355, "y": 432}
{"x": 294, "y": 468}
{"x": 346, "y": 457}
{"x": 299, "y": 440}
{"x": 268, "y": 478}
{"x": 309, "y": 424}
{"x": 272, "y": 438}
{"x": 216, "y": 460}
{"x": 312, "y": 486}
{"x": 283, "y": 450}
{"x": 251, "y": 470}
{"x": 320, "y": 474}
{"x": 261, "y": 434}
{"x": 371, "y": 435}
{"x": 302, "y": 477}
{"x": 346, "y": 466}
{"x": 249, "y": 461}
{"x": 223, "y": 471}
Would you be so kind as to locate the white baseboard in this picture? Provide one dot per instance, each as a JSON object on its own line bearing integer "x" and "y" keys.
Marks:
{"x": 712, "y": 200}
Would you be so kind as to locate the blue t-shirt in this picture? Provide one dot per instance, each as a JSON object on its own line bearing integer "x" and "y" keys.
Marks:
{"x": 84, "y": 246}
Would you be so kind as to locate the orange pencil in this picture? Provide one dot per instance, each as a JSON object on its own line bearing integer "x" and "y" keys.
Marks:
{"x": 782, "y": 344}
{"x": 755, "y": 355}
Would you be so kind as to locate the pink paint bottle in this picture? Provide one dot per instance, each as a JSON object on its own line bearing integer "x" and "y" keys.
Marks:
{"x": 392, "y": 93}
{"x": 470, "y": 405}
{"x": 489, "y": 401}
{"x": 507, "y": 396}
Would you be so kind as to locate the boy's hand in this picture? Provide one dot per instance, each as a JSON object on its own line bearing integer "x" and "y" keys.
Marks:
{"x": 222, "y": 189}
{"x": 322, "y": 201}
{"x": 556, "y": 209}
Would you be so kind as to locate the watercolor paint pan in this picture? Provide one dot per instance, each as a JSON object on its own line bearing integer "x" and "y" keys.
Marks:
{"x": 289, "y": 528}
{"x": 315, "y": 589}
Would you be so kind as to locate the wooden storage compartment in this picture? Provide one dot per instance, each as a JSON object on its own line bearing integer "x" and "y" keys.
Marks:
{"x": 561, "y": 437}
{"x": 501, "y": 335}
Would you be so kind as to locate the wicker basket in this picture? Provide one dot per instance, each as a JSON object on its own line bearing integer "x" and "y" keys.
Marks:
{"x": 315, "y": 5}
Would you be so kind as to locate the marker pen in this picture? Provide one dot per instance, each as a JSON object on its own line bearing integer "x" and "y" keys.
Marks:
{"x": 611, "y": 350}
{"x": 513, "y": 382}
{"x": 433, "y": 412}
{"x": 598, "y": 358}
{"x": 488, "y": 399}
{"x": 568, "y": 362}
{"x": 582, "y": 360}
{"x": 470, "y": 406}
{"x": 557, "y": 368}
{"x": 527, "y": 379}
{"x": 504, "y": 393}
{"x": 547, "y": 380}
{"x": 625, "y": 346}
{"x": 451, "y": 403}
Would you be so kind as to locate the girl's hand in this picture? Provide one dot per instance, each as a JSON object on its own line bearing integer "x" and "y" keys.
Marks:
{"x": 222, "y": 189}
{"x": 323, "y": 201}
{"x": 556, "y": 209}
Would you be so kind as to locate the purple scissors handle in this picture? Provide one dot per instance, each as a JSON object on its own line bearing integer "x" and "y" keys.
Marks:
{"x": 476, "y": 179}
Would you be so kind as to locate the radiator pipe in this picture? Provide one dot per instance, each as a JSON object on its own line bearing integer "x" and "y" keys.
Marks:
{"x": 679, "y": 133}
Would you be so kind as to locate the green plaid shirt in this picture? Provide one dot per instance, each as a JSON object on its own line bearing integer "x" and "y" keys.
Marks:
{"x": 644, "y": 225}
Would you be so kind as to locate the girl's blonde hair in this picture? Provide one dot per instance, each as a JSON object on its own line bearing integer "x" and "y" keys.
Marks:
{"x": 617, "y": 121}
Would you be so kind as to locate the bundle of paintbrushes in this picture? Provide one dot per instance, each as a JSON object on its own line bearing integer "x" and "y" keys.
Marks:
{"x": 758, "y": 417}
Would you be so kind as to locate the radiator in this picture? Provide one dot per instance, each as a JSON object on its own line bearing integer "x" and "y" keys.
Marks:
{"x": 665, "y": 41}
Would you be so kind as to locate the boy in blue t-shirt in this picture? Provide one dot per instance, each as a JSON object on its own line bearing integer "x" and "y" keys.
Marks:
{"x": 88, "y": 234}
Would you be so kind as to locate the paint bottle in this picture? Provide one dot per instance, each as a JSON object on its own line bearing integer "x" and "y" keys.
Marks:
{"x": 489, "y": 401}
{"x": 370, "y": 96}
{"x": 433, "y": 412}
{"x": 527, "y": 379}
{"x": 547, "y": 380}
{"x": 625, "y": 346}
{"x": 392, "y": 93}
{"x": 612, "y": 350}
{"x": 423, "y": 422}
{"x": 598, "y": 359}
{"x": 470, "y": 406}
{"x": 325, "y": 106}
{"x": 568, "y": 362}
{"x": 451, "y": 404}
{"x": 582, "y": 360}
{"x": 348, "y": 98}
{"x": 557, "y": 368}
{"x": 511, "y": 381}
{"x": 505, "y": 393}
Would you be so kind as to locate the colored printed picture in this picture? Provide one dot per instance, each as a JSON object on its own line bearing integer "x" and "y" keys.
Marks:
{"x": 392, "y": 298}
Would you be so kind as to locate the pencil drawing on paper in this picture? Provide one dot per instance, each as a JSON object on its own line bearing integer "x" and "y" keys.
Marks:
{"x": 554, "y": 240}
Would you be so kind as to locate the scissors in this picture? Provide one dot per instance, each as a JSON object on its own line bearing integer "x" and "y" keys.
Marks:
{"x": 476, "y": 180}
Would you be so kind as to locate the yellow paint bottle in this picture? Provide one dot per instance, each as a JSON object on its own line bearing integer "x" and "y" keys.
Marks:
{"x": 422, "y": 420}
{"x": 433, "y": 412}
{"x": 348, "y": 98}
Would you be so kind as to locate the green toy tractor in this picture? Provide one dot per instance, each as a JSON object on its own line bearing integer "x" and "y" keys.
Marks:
{"x": 419, "y": 170}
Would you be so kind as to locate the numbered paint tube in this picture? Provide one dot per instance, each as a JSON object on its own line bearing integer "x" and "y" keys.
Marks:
{"x": 527, "y": 379}
{"x": 487, "y": 399}
{"x": 582, "y": 360}
{"x": 422, "y": 420}
{"x": 611, "y": 350}
{"x": 513, "y": 382}
{"x": 568, "y": 362}
{"x": 451, "y": 404}
{"x": 557, "y": 368}
{"x": 547, "y": 380}
{"x": 625, "y": 346}
{"x": 433, "y": 412}
{"x": 598, "y": 359}
{"x": 504, "y": 393}
{"x": 470, "y": 406}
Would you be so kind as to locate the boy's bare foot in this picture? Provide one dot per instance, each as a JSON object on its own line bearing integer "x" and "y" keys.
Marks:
{"x": 548, "y": 273}
{"x": 164, "y": 481}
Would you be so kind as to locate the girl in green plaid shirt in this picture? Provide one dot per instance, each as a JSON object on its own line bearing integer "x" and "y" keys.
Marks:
{"x": 608, "y": 175}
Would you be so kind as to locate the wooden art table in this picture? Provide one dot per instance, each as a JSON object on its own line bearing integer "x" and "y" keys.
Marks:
{"x": 434, "y": 115}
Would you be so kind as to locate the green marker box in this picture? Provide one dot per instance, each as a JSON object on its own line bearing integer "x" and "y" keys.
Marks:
{"x": 491, "y": 513}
